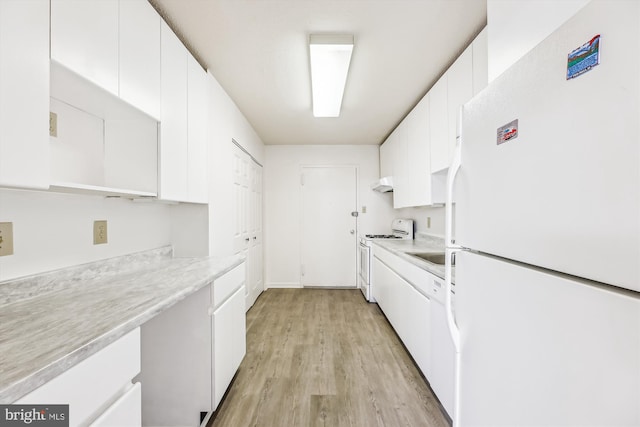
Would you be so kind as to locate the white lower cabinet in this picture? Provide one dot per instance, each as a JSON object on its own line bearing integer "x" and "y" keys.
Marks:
{"x": 125, "y": 412}
{"x": 191, "y": 352}
{"x": 408, "y": 312}
{"x": 98, "y": 389}
{"x": 413, "y": 301}
{"x": 229, "y": 329}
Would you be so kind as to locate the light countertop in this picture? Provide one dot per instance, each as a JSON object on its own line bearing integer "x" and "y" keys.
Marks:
{"x": 50, "y": 322}
{"x": 422, "y": 244}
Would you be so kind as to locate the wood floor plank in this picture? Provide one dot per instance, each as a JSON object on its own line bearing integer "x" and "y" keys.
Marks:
{"x": 320, "y": 357}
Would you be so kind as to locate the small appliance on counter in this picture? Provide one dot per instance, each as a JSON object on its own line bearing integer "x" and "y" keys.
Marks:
{"x": 401, "y": 229}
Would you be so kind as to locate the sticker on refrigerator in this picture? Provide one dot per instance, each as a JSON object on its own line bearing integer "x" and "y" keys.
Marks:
{"x": 584, "y": 58}
{"x": 508, "y": 132}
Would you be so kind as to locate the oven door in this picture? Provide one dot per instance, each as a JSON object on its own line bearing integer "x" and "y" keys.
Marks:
{"x": 364, "y": 252}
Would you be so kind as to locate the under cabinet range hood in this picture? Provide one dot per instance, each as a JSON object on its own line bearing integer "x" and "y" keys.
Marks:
{"x": 383, "y": 185}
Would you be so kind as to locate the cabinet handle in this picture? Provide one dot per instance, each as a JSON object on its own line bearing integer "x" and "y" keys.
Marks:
{"x": 246, "y": 240}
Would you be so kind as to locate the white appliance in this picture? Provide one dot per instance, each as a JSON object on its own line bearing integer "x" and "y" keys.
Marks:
{"x": 401, "y": 228}
{"x": 547, "y": 234}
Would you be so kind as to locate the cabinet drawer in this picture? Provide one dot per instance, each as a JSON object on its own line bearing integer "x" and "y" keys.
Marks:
{"x": 226, "y": 285}
{"x": 420, "y": 279}
{"x": 94, "y": 382}
{"x": 125, "y": 412}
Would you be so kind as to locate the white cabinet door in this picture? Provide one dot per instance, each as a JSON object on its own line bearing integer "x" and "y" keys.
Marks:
{"x": 408, "y": 312}
{"x": 125, "y": 412}
{"x": 439, "y": 125}
{"x": 386, "y": 159}
{"x": 24, "y": 93}
{"x": 84, "y": 38}
{"x": 400, "y": 170}
{"x": 139, "y": 45}
{"x": 419, "y": 179}
{"x": 459, "y": 91}
{"x": 229, "y": 331}
{"x": 197, "y": 113}
{"x": 173, "y": 127}
{"x": 480, "y": 62}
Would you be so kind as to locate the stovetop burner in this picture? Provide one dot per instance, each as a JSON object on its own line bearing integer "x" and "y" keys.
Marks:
{"x": 382, "y": 236}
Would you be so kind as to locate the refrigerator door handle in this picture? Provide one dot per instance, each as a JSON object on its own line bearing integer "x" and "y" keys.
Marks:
{"x": 451, "y": 249}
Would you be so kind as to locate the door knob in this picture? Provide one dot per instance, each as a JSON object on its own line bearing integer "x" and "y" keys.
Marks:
{"x": 352, "y": 231}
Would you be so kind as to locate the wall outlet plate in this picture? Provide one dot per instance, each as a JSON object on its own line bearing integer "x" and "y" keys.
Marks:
{"x": 100, "y": 232}
{"x": 53, "y": 124}
{"x": 6, "y": 238}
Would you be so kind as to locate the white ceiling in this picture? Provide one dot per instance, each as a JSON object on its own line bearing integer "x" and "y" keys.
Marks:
{"x": 257, "y": 50}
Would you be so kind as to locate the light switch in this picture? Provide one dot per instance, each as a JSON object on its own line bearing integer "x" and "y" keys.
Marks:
{"x": 428, "y": 222}
{"x": 364, "y": 209}
{"x": 6, "y": 238}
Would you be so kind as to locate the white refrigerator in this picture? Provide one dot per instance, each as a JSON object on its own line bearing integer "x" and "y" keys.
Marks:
{"x": 546, "y": 317}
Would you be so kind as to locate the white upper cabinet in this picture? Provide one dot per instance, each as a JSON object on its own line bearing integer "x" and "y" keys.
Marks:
{"x": 84, "y": 38}
{"x": 115, "y": 44}
{"x": 173, "y": 127}
{"x": 459, "y": 91}
{"x": 420, "y": 149}
{"x": 439, "y": 124}
{"x": 183, "y": 123}
{"x": 480, "y": 62}
{"x": 400, "y": 170}
{"x": 140, "y": 56}
{"x": 385, "y": 160}
{"x": 418, "y": 155}
{"x": 198, "y": 111}
{"x": 24, "y": 93}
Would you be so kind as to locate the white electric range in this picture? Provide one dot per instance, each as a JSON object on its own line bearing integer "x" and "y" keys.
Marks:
{"x": 401, "y": 228}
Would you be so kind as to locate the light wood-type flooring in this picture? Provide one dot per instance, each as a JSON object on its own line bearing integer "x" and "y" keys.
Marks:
{"x": 324, "y": 357}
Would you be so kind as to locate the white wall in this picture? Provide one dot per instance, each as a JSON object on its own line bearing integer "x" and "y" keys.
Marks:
{"x": 53, "y": 231}
{"x": 420, "y": 216}
{"x": 515, "y": 27}
{"x": 282, "y": 201}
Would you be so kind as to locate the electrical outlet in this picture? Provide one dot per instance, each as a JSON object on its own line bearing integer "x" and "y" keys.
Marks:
{"x": 6, "y": 238}
{"x": 99, "y": 232}
{"x": 53, "y": 124}
{"x": 428, "y": 222}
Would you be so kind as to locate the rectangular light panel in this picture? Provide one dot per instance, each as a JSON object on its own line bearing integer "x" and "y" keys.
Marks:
{"x": 330, "y": 57}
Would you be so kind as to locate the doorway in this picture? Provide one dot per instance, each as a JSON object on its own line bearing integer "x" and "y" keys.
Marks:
{"x": 329, "y": 231}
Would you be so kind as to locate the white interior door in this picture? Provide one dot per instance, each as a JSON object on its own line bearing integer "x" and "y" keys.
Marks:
{"x": 247, "y": 236}
{"x": 328, "y": 244}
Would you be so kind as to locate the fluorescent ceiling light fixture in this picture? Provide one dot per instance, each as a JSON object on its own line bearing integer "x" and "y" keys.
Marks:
{"x": 330, "y": 58}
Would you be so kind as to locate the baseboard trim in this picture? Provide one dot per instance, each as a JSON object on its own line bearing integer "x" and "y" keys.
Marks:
{"x": 283, "y": 285}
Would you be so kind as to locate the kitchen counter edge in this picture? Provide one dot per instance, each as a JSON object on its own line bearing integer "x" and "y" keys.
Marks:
{"x": 202, "y": 272}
